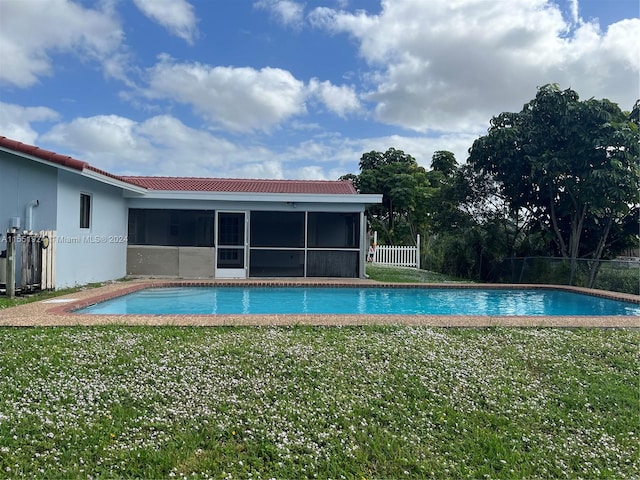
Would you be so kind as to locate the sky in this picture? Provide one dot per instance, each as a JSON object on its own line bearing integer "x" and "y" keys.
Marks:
{"x": 292, "y": 89}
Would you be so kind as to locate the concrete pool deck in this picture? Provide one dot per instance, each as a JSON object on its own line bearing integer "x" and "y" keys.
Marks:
{"x": 59, "y": 311}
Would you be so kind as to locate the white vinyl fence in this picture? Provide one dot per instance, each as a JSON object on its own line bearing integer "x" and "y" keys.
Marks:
{"x": 396, "y": 255}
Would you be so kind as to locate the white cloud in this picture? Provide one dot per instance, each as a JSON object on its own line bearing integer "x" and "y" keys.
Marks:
{"x": 341, "y": 100}
{"x": 286, "y": 12}
{"x": 266, "y": 169}
{"x": 619, "y": 44}
{"x": 181, "y": 150}
{"x": 240, "y": 99}
{"x": 110, "y": 142}
{"x": 575, "y": 14}
{"x": 175, "y": 15}
{"x": 310, "y": 172}
{"x": 159, "y": 145}
{"x": 447, "y": 65}
{"x": 100, "y": 134}
{"x": 330, "y": 157}
{"x": 244, "y": 99}
{"x": 16, "y": 120}
{"x": 30, "y": 31}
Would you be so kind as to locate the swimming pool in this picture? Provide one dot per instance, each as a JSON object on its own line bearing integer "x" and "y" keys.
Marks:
{"x": 360, "y": 300}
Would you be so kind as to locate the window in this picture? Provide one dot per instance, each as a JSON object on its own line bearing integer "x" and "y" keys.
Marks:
{"x": 177, "y": 228}
{"x": 230, "y": 228}
{"x": 333, "y": 230}
{"x": 277, "y": 229}
{"x": 85, "y": 210}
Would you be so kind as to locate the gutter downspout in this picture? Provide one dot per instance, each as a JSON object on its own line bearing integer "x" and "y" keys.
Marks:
{"x": 29, "y": 214}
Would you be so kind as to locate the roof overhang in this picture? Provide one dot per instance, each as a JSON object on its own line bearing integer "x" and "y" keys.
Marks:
{"x": 84, "y": 172}
{"x": 125, "y": 186}
{"x": 353, "y": 199}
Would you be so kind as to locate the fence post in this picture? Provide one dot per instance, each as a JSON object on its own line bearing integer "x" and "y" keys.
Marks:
{"x": 418, "y": 253}
{"x": 375, "y": 246}
{"x": 11, "y": 263}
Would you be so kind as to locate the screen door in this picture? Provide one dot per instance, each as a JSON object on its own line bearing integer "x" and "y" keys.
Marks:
{"x": 231, "y": 245}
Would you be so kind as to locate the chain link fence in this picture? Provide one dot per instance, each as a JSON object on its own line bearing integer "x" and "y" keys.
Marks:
{"x": 615, "y": 275}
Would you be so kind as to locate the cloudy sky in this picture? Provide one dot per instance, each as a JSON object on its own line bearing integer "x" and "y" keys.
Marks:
{"x": 294, "y": 89}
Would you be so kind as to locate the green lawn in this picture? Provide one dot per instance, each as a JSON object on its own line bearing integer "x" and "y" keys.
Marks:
{"x": 6, "y": 302}
{"x": 406, "y": 275}
{"x": 325, "y": 402}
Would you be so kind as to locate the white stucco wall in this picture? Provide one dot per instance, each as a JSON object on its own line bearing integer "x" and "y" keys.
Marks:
{"x": 21, "y": 182}
{"x": 98, "y": 253}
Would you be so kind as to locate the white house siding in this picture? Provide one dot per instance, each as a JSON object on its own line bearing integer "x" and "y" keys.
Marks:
{"x": 20, "y": 183}
{"x": 98, "y": 253}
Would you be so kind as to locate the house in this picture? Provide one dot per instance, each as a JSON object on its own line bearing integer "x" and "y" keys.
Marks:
{"x": 108, "y": 226}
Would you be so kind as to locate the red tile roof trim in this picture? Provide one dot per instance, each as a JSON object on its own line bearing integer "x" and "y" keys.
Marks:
{"x": 241, "y": 185}
{"x": 34, "y": 151}
{"x": 191, "y": 184}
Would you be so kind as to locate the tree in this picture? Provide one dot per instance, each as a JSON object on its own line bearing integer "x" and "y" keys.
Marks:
{"x": 444, "y": 162}
{"x": 450, "y": 190}
{"x": 634, "y": 117}
{"x": 574, "y": 165}
{"x": 472, "y": 228}
{"x": 403, "y": 184}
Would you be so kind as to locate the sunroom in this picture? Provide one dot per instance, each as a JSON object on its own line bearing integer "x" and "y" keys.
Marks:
{"x": 249, "y": 233}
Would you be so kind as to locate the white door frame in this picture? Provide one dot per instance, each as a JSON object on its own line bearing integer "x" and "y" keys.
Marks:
{"x": 239, "y": 271}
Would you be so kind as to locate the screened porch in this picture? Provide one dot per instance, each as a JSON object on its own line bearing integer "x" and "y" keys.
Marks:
{"x": 237, "y": 244}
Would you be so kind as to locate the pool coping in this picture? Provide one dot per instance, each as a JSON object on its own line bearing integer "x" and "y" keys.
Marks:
{"x": 60, "y": 311}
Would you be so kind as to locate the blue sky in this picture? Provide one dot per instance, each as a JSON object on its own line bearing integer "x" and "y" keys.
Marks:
{"x": 294, "y": 89}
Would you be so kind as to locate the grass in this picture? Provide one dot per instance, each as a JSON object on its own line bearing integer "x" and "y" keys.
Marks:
{"x": 6, "y": 302}
{"x": 304, "y": 402}
{"x": 406, "y": 275}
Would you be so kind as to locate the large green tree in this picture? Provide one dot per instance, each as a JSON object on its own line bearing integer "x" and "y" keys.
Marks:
{"x": 403, "y": 184}
{"x": 574, "y": 165}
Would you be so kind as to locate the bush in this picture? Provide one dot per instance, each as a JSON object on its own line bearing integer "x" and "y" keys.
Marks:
{"x": 613, "y": 276}
{"x": 622, "y": 278}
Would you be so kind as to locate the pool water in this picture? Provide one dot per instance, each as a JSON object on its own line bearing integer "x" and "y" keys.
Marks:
{"x": 373, "y": 301}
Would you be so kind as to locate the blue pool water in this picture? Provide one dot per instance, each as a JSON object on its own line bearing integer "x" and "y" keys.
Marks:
{"x": 320, "y": 300}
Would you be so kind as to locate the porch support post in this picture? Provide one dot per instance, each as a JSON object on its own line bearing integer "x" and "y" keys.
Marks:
{"x": 364, "y": 246}
{"x": 306, "y": 243}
